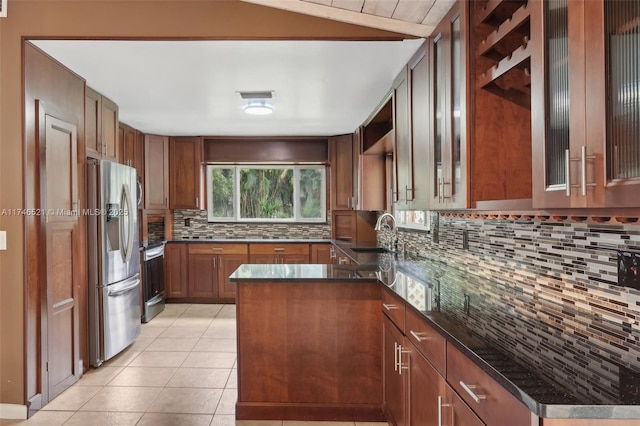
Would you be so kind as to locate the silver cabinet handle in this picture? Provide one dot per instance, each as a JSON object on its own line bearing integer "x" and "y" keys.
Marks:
{"x": 279, "y": 249}
{"x": 470, "y": 390}
{"x": 214, "y": 262}
{"x": 389, "y": 307}
{"x": 440, "y": 405}
{"x": 197, "y": 201}
{"x": 217, "y": 248}
{"x": 402, "y": 366}
{"x": 418, "y": 337}
{"x": 583, "y": 169}
{"x": 332, "y": 253}
{"x": 440, "y": 189}
{"x": 567, "y": 173}
{"x": 395, "y": 356}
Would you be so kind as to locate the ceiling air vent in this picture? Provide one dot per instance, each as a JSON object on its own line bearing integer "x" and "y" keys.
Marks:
{"x": 261, "y": 94}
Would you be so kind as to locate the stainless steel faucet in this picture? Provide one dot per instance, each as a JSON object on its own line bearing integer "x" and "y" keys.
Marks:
{"x": 384, "y": 225}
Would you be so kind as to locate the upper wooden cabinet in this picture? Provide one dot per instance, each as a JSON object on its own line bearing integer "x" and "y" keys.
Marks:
{"x": 127, "y": 145}
{"x": 585, "y": 110}
{"x": 403, "y": 182}
{"x": 101, "y": 126}
{"x": 185, "y": 173}
{"x": 448, "y": 117}
{"x": 342, "y": 172}
{"x": 156, "y": 172}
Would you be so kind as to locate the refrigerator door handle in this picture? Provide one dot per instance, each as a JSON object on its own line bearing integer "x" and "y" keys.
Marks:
{"x": 128, "y": 210}
{"x": 133, "y": 286}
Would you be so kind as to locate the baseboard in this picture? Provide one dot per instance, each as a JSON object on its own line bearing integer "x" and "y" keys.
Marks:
{"x": 13, "y": 411}
{"x": 309, "y": 412}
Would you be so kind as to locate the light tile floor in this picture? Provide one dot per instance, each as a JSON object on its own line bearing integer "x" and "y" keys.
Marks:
{"x": 179, "y": 372}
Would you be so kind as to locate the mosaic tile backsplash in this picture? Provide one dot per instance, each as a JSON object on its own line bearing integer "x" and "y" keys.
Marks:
{"x": 201, "y": 228}
{"x": 553, "y": 282}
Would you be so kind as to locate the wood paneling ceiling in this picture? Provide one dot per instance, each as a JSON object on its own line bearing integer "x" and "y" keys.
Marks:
{"x": 410, "y": 17}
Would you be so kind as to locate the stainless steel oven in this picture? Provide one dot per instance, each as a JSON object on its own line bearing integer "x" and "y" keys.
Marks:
{"x": 153, "y": 287}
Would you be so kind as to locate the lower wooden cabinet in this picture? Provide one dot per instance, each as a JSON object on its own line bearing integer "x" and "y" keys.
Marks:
{"x": 279, "y": 253}
{"x": 175, "y": 270}
{"x": 199, "y": 272}
{"x": 395, "y": 383}
{"x": 323, "y": 253}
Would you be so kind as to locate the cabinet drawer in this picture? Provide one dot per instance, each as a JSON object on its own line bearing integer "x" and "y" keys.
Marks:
{"x": 285, "y": 248}
{"x": 394, "y": 307}
{"x": 224, "y": 248}
{"x": 490, "y": 401}
{"x": 428, "y": 341}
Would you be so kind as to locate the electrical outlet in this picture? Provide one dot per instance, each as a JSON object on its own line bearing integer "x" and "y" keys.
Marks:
{"x": 629, "y": 269}
{"x": 187, "y": 221}
{"x": 465, "y": 239}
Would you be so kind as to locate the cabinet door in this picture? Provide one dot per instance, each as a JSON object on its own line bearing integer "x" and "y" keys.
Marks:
{"x": 109, "y": 129}
{"x": 322, "y": 253}
{"x": 419, "y": 101}
{"x": 341, "y": 151}
{"x": 139, "y": 165}
{"x": 426, "y": 390}
{"x": 184, "y": 172}
{"x": 93, "y": 123}
{"x": 455, "y": 412}
{"x": 403, "y": 191}
{"x": 448, "y": 112}
{"x": 203, "y": 275}
{"x": 612, "y": 104}
{"x": 156, "y": 167}
{"x": 395, "y": 386}
{"x": 227, "y": 263}
{"x": 129, "y": 146}
{"x": 175, "y": 258}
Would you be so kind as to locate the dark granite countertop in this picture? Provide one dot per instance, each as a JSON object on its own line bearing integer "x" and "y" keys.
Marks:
{"x": 510, "y": 341}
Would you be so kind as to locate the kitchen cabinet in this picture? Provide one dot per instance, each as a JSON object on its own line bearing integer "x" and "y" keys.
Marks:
{"x": 309, "y": 350}
{"x": 209, "y": 268}
{"x": 175, "y": 270}
{"x": 101, "y": 126}
{"x": 585, "y": 113}
{"x": 403, "y": 181}
{"x": 488, "y": 399}
{"x": 372, "y": 190}
{"x": 127, "y": 145}
{"x": 323, "y": 253}
{"x": 500, "y": 105}
{"x": 448, "y": 122}
{"x": 341, "y": 157}
{"x": 156, "y": 172}
{"x": 279, "y": 253}
{"x": 415, "y": 391}
{"x": 185, "y": 173}
{"x": 350, "y": 225}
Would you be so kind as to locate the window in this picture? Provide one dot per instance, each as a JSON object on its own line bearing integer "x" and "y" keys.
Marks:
{"x": 415, "y": 219}
{"x": 266, "y": 193}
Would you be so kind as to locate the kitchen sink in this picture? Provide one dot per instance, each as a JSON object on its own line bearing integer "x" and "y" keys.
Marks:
{"x": 370, "y": 250}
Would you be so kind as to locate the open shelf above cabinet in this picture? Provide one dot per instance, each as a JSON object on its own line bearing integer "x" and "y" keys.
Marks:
{"x": 379, "y": 128}
{"x": 507, "y": 47}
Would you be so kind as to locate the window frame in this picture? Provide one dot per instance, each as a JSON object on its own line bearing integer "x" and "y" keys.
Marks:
{"x": 296, "y": 193}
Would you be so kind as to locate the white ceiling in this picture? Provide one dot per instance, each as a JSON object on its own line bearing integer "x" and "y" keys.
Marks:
{"x": 189, "y": 87}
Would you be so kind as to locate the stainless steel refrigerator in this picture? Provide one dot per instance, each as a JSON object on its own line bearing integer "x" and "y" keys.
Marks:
{"x": 113, "y": 259}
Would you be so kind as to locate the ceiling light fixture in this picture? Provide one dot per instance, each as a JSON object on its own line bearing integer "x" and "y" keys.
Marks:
{"x": 258, "y": 107}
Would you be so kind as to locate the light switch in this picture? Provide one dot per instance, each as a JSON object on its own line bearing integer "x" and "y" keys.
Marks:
{"x": 3, "y": 240}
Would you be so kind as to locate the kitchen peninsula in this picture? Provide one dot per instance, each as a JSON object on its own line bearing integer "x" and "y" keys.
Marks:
{"x": 420, "y": 338}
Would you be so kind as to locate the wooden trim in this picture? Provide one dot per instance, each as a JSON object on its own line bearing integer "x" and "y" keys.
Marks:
{"x": 271, "y": 150}
{"x": 309, "y": 412}
{"x": 349, "y": 16}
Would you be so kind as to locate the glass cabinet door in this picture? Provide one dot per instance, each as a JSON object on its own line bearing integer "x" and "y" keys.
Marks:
{"x": 613, "y": 101}
{"x": 453, "y": 185}
{"x": 438, "y": 91}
